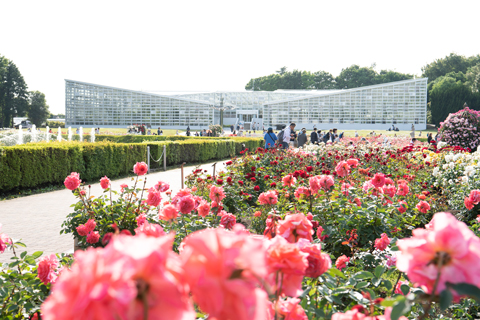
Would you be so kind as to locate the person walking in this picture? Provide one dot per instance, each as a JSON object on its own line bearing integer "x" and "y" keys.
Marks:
{"x": 302, "y": 138}
{"x": 270, "y": 139}
{"x": 231, "y": 128}
{"x": 288, "y": 135}
{"x": 314, "y": 136}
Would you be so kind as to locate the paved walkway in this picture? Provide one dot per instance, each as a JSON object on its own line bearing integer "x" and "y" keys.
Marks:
{"x": 37, "y": 219}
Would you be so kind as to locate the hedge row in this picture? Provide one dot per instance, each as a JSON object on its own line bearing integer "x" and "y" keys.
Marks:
{"x": 34, "y": 165}
{"x": 129, "y": 138}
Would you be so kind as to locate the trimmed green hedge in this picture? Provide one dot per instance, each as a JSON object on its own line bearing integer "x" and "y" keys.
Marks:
{"x": 36, "y": 164}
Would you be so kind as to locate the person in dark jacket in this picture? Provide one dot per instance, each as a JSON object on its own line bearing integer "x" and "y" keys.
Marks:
{"x": 302, "y": 137}
{"x": 314, "y": 136}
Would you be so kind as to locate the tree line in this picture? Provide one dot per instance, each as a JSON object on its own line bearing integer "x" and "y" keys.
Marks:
{"x": 452, "y": 81}
{"x": 16, "y": 100}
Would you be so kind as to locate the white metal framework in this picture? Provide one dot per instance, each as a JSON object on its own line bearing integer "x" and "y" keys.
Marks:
{"x": 401, "y": 103}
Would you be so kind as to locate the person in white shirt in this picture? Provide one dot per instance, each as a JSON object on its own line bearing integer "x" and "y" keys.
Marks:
{"x": 287, "y": 135}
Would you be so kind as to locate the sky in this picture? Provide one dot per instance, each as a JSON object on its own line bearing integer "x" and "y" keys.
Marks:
{"x": 220, "y": 45}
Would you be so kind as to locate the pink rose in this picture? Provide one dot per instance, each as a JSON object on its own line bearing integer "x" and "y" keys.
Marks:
{"x": 448, "y": 247}
{"x": 140, "y": 168}
{"x": 268, "y": 198}
{"x": 72, "y": 181}
{"x": 104, "y": 182}
{"x": 93, "y": 237}
{"x": 154, "y": 197}
{"x": 123, "y": 186}
{"x": 423, "y": 206}
{"x": 162, "y": 186}
{"x": 398, "y": 289}
{"x": 353, "y": 162}
{"x": 150, "y": 230}
{"x": 287, "y": 258}
{"x": 468, "y": 203}
{"x": 141, "y": 219}
{"x": 203, "y": 208}
{"x": 295, "y": 227}
{"x": 318, "y": 262}
{"x": 4, "y": 241}
{"x": 403, "y": 206}
{"x": 216, "y": 194}
{"x": 403, "y": 189}
{"x": 46, "y": 269}
{"x": 342, "y": 262}
{"x": 228, "y": 220}
{"x": 378, "y": 180}
{"x": 382, "y": 243}
{"x": 186, "y": 204}
{"x": 168, "y": 212}
{"x": 474, "y": 196}
{"x": 290, "y": 309}
{"x": 326, "y": 182}
{"x": 319, "y": 234}
{"x": 342, "y": 169}
{"x": 289, "y": 180}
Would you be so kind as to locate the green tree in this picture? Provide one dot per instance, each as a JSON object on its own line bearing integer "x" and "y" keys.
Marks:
{"x": 324, "y": 80}
{"x": 386, "y": 76}
{"x": 448, "y": 96}
{"x": 473, "y": 78}
{"x": 282, "y": 70}
{"x": 13, "y": 92}
{"x": 356, "y": 76}
{"x": 451, "y": 63}
{"x": 38, "y": 109}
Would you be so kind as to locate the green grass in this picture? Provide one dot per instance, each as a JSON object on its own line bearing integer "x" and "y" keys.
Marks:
{"x": 166, "y": 132}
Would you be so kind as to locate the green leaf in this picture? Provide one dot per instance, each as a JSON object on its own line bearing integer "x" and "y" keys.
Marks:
{"x": 399, "y": 309}
{"x": 405, "y": 289}
{"x": 362, "y": 284}
{"x": 388, "y": 284}
{"x": 23, "y": 254}
{"x": 379, "y": 270}
{"x": 363, "y": 275}
{"x": 376, "y": 281}
{"x": 466, "y": 289}
{"x": 389, "y": 302}
{"x": 335, "y": 272}
{"x": 21, "y": 244}
{"x": 37, "y": 254}
{"x": 446, "y": 298}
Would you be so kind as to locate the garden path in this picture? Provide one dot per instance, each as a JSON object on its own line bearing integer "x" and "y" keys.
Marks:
{"x": 37, "y": 219}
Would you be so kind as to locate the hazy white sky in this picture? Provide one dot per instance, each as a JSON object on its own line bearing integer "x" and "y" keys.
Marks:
{"x": 220, "y": 45}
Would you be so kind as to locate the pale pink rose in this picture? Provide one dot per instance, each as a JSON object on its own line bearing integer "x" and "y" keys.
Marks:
{"x": 448, "y": 241}
{"x": 367, "y": 185}
{"x": 295, "y": 227}
{"x": 106, "y": 283}
{"x": 286, "y": 257}
{"x": 4, "y": 241}
{"x": 150, "y": 229}
{"x": 314, "y": 183}
{"x": 46, "y": 269}
{"x": 302, "y": 191}
{"x": 203, "y": 208}
{"x": 389, "y": 191}
{"x": 104, "y": 182}
{"x": 326, "y": 182}
{"x": 162, "y": 186}
{"x": 154, "y": 197}
{"x": 140, "y": 168}
{"x": 403, "y": 189}
{"x": 342, "y": 262}
{"x": 388, "y": 181}
{"x": 318, "y": 262}
{"x": 168, "y": 212}
{"x": 223, "y": 270}
{"x": 342, "y": 169}
{"x": 186, "y": 204}
{"x": 382, "y": 242}
{"x": 268, "y": 198}
{"x": 93, "y": 237}
{"x": 391, "y": 261}
{"x": 290, "y": 309}
{"x": 216, "y": 194}
{"x": 352, "y": 162}
{"x": 378, "y": 180}
{"x": 122, "y": 187}
{"x": 398, "y": 289}
{"x": 289, "y": 180}
{"x": 183, "y": 193}
{"x": 228, "y": 220}
{"x": 141, "y": 218}
{"x": 72, "y": 181}
{"x": 423, "y": 206}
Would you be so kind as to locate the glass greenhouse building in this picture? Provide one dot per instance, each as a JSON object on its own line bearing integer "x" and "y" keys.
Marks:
{"x": 376, "y": 107}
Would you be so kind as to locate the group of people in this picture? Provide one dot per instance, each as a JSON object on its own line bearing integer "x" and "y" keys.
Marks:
{"x": 287, "y": 136}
